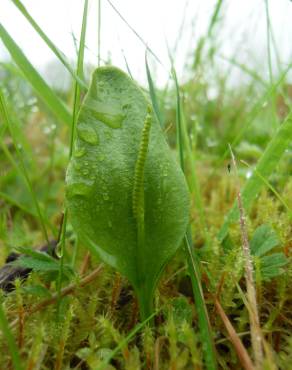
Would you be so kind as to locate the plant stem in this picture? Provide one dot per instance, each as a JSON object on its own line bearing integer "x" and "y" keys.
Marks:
{"x": 256, "y": 334}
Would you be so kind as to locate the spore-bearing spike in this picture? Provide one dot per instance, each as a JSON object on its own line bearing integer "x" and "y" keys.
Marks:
{"x": 138, "y": 190}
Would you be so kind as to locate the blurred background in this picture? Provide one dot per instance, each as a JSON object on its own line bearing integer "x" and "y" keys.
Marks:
{"x": 239, "y": 33}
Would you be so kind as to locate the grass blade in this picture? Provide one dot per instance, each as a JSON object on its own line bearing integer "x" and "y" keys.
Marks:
{"x": 99, "y": 33}
{"x": 253, "y": 114}
{"x": 203, "y": 318}
{"x": 265, "y": 167}
{"x": 153, "y": 95}
{"x": 42, "y": 89}
{"x": 178, "y": 120}
{"x": 76, "y": 105}
{"x": 254, "y": 319}
{"x": 7, "y": 122}
{"x": 15, "y": 357}
{"x": 271, "y": 187}
{"x": 193, "y": 264}
{"x": 135, "y": 32}
{"x": 194, "y": 183}
{"x": 49, "y": 42}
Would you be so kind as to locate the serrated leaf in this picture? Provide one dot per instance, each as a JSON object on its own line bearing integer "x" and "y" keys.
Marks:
{"x": 115, "y": 169}
{"x": 263, "y": 240}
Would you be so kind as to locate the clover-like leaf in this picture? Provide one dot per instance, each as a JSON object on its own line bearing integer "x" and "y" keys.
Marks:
{"x": 126, "y": 194}
{"x": 263, "y": 242}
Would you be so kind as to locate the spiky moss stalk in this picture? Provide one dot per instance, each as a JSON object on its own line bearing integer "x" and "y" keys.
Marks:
{"x": 138, "y": 212}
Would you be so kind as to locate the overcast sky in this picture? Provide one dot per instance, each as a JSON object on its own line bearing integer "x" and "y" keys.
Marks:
{"x": 242, "y": 29}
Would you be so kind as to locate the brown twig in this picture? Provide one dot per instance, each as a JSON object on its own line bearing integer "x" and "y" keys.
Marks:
{"x": 134, "y": 318}
{"x": 64, "y": 292}
{"x": 256, "y": 334}
{"x": 157, "y": 352}
{"x": 115, "y": 292}
{"x": 85, "y": 264}
{"x": 234, "y": 338}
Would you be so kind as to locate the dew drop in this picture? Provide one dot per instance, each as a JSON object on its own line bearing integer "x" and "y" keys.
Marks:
{"x": 108, "y": 113}
{"x": 105, "y": 196}
{"x": 79, "y": 189}
{"x": 126, "y": 106}
{"x": 77, "y": 166}
{"x": 79, "y": 152}
{"x": 87, "y": 133}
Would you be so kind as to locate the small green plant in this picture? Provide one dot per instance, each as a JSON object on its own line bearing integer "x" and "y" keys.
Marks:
{"x": 263, "y": 242}
{"x": 126, "y": 194}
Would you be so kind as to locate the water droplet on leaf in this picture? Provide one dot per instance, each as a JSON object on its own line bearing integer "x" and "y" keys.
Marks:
{"x": 87, "y": 133}
{"x": 79, "y": 188}
{"x": 79, "y": 152}
{"x": 105, "y": 196}
{"x": 110, "y": 114}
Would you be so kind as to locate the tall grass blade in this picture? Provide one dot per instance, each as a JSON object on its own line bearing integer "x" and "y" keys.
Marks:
{"x": 76, "y": 106}
{"x": 49, "y": 42}
{"x": 265, "y": 167}
{"x": 193, "y": 182}
{"x": 99, "y": 33}
{"x": 127, "y": 64}
{"x": 153, "y": 95}
{"x": 42, "y": 89}
{"x": 254, "y": 319}
{"x": 255, "y": 111}
{"x": 244, "y": 68}
{"x": 193, "y": 264}
{"x": 215, "y": 17}
{"x": 269, "y": 51}
{"x": 178, "y": 120}
{"x": 6, "y": 332}
{"x": 135, "y": 33}
{"x": 5, "y": 117}
{"x": 209, "y": 34}
{"x": 272, "y": 188}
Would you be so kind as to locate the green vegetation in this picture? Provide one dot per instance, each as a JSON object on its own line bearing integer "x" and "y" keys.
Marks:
{"x": 126, "y": 195}
{"x": 96, "y": 170}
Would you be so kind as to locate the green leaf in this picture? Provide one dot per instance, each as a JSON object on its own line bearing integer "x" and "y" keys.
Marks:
{"x": 264, "y": 239}
{"x": 41, "y": 262}
{"x": 262, "y": 242}
{"x": 126, "y": 194}
{"x": 37, "y": 291}
{"x": 271, "y": 266}
{"x": 34, "y": 78}
{"x": 41, "y": 256}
